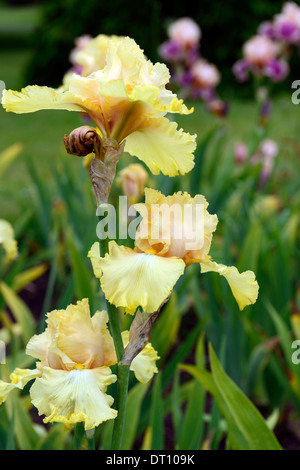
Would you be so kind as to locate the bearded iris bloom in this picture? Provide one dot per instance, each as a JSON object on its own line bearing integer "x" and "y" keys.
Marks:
{"x": 75, "y": 353}
{"x": 126, "y": 97}
{"x": 145, "y": 276}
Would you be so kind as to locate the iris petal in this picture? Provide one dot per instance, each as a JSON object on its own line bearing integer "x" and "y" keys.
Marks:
{"x": 243, "y": 285}
{"x": 70, "y": 397}
{"x": 130, "y": 279}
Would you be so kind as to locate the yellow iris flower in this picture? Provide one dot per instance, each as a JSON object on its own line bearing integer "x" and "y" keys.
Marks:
{"x": 8, "y": 241}
{"x": 165, "y": 244}
{"x": 126, "y": 97}
{"x": 75, "y": 353}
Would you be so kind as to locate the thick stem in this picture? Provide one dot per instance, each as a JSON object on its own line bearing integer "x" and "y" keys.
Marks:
{"x": 91, "y": 443}
{"x": 123, "y": 370}
{"x": 102, "y": 172}
{"x": 115, "y": 330}
{"x": 112, "y": 311}
{"x": 78, "y": 436}
{"x": 120, "y": 404}
{"x": 103, "y": 246}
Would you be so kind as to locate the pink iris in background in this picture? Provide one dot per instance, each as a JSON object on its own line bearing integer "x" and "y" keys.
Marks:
{"x": 194, "y": 76}
{"x": 262, "y": 57}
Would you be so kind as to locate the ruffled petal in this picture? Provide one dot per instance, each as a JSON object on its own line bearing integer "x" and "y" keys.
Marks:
{"x": 177, "y": 225}
{"x": 38, "y": 345}
{"x": 76, "y": 341}
{"x": 35, "y": 98}
{"x": 94, "y": 255}
{"x": 144, "y": 364}
{"x": 5, "y": 389}
{"x": 99, "y": 321}
{"x": 123, "y": 71}
{"x": 162, "y": 101}
{"x": 74, "y": 337}
{"x": 162, "y": 147}
{"x": 130, "y": 279}
{"x": 75, "y": 396}
{"x": 95, "y": 86}
{"x": 8, "y": 241}
{"x": 19, "y": 378}
{"x": 243, "y": 285}
{"x": 93, "y": 56}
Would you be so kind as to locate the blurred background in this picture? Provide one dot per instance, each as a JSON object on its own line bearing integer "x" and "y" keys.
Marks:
{"x": 46, "y": 195}
{"x": 40, "y": 34}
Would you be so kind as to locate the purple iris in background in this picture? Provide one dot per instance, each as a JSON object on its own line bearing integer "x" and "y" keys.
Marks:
{"x": 277, "y": 70}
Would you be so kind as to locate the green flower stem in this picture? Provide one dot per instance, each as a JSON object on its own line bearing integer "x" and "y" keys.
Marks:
{"x": 113, "y": 313}
{"x": 123, "y": 370}
{"x": 78, "y": 436}
{"x": 115, "y": 330}
{"x": 91, "y": 443}
{"x": 123, "y": 379}
{"x": 103, "y": 246}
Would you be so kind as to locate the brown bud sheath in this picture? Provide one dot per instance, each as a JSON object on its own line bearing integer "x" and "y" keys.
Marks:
{"x": 85, "y": 140}
{"x": 139, "y": 334}
{"x": 102, "y": 170}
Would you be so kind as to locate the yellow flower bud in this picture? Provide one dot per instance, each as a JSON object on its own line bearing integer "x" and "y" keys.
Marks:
{"x": 132, "y": 180}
